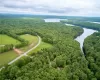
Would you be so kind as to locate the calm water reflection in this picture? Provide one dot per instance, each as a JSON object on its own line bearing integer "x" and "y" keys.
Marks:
{"x": 53, "y": 20}
{"x": 87, "y": 32}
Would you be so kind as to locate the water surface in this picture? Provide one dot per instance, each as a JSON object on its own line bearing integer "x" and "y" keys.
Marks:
{"x": 69, "y": 24}
{"x": 53, "y": 20}
{"x": 86, "y": 33}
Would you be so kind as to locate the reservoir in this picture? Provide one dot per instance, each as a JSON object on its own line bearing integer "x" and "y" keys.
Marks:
{"x": 53, "y": 20}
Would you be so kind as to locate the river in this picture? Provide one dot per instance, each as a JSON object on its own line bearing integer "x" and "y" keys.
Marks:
{"x": 81, "y": 38}
{"x": 86, "y": 33}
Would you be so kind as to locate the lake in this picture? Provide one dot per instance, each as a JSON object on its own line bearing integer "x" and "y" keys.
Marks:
{"x": 69, "y": 24}
{"x": 53, "y": 20}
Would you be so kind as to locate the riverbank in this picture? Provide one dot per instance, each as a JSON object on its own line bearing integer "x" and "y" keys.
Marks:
{"x": 81, "y": 38}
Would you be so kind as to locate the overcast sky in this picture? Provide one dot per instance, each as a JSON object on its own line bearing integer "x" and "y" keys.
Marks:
{"x": 52, "y": 7}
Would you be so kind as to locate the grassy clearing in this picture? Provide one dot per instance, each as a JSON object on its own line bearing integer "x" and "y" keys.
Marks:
{"x": 41, "y": 46}
{"x": 29, "y": 38}
{"x": 4, "y": 39}
{"x": 10, "y": 55}
{"x": 7, "y": 57}
{"x": 33, "y": 40}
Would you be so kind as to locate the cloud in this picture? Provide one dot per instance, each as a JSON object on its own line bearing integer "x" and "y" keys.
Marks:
{"x": 58, "y": 7}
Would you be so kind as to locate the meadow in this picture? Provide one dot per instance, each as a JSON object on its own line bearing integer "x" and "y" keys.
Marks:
{"x": 30, "y": 38}
{"x": 4, "y": 40}
{"x": 33, "y": 40}
{"x": 6, "y": 57}
{"x": 43, "y": 45}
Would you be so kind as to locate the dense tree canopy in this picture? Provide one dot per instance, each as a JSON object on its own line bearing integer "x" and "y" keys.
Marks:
{"x": 85, "y": 24}
{"x": 92, "y": 52}
{"x": 64, "y": 61}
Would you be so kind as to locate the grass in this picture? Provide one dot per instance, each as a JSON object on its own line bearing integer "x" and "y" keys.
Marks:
{"x": 29, "y": 38}
{"x": 33, "y": 40}
{"x": 10, "y": 55}
{"x": 7, "y": 57}
{"x": 41, "y": 46}
{"x": 4, "y": 39}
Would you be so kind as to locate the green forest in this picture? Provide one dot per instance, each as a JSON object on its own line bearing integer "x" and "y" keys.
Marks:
{"x": 92, "y": 52}
{"x": 64, "y": 61}
{"x": 82, "y": 23}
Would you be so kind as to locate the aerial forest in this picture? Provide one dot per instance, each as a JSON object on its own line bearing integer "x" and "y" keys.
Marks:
{"x": 64, "y": 61}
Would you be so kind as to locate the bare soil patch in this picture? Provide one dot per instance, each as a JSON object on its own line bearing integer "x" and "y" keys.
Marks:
{"x": 18, "y": 51}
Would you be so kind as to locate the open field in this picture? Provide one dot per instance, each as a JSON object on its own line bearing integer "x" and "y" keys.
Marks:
{"x": 7, "y": 57}
{"x": 41, "y": 46}
{"x": 10, "y": 55}
{"x": 29, "y": 38}
{"x": 4, "y": 39}
{"x": 33, "y": 40}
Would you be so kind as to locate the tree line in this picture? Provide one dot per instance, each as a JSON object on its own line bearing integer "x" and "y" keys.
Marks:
{"x": 9, "y": 47}
{"x": 85, "y": 24}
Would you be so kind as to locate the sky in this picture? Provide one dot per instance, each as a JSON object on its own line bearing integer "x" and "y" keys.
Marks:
{"x": 52, "y": 7}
